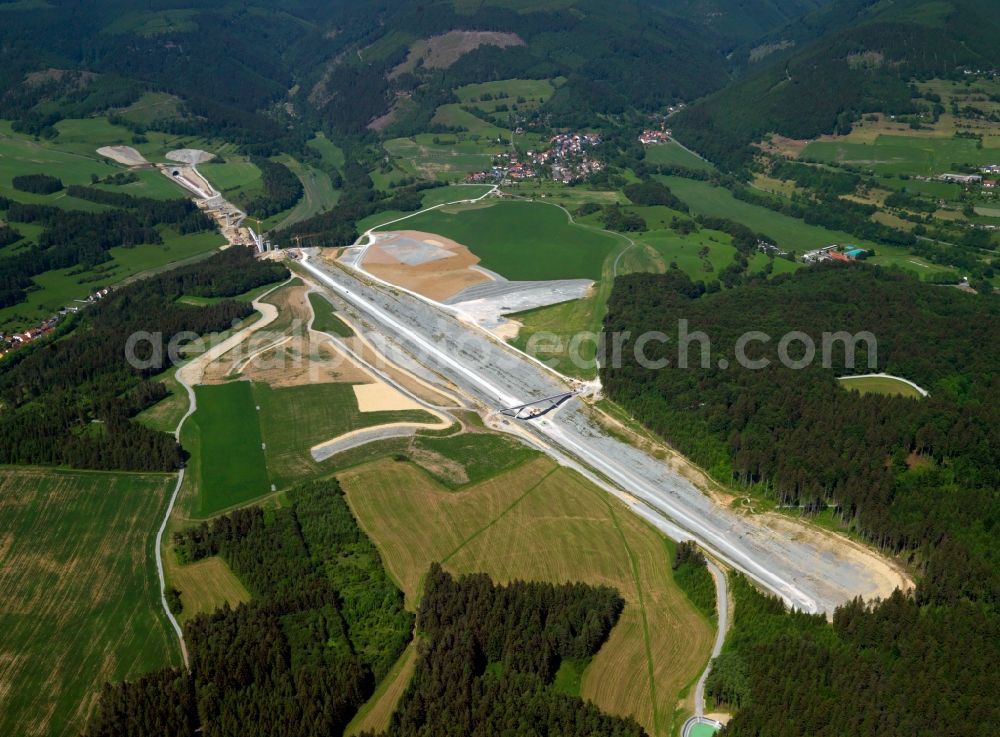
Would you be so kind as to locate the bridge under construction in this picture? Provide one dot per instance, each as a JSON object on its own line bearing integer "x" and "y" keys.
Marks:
{"x": 539, "y": 407}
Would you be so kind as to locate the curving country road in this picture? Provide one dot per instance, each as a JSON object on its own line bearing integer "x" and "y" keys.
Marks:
{"x": 187, "y": 376}
{"x": 722, "y": 613}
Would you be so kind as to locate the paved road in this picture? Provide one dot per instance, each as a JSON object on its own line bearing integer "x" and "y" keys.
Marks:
{"x": 722, "y": 612}
{"x": 493, "y": 374}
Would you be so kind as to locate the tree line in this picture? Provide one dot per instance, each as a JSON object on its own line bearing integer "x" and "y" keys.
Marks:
{"x": 488, "y": 655}
{"x": 918, "y": 478}
{"x": 82, "y": 239}
{"x": 37, "y": 183}
{"x": 281, "y": 189}
{"x": 70, "y": 400}
{"x": 324, "y": 625}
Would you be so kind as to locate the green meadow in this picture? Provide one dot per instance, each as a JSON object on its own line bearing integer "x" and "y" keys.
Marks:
{"x": 903, "y": 154}
{"x": 231, "y": 466}
{"x": 538, "y": 90}
{"x": 887, "y": 385}
{"x": 330, "y": 153}
{"x": 246, "y": 437}
{"x": 325, "y": 320}
{"x": 450, "y": 158}
{"x": 294, "y": 419}
{"x": 431, "y": 197}
{"x": 522, "y": 240}
{"x": 700, "y": 255}
{"x": 790, "y": 233}
{"x": 670, "y": 154}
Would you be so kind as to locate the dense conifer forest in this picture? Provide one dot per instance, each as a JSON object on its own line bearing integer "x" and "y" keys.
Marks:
{"x": 488, "y": 655}
{"x": 916, "y": 477}
{"x": 281, "y": 189}
{"x": 69, "y": 399}
{"x": 326, "y": 623}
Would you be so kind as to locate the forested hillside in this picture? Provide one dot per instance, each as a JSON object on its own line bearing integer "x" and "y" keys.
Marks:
{"x": 69, "y": 400}
{"x": 240, "y": 70}
{"x": 863, "y": 61}
{"x": 910, "y": 665}
{"x": 75, "y": 238}
{"x": 915, "y": 477}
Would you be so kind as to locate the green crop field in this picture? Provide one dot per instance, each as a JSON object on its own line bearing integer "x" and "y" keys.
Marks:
{"x": 230, "y": 466}
{"x": 537, "y": 521}
{"x": 325, "y": 321}
{"x": 450, "y": 158}
{"x": 81, "y": 602}
{"x": 294, "y": 419}
{"x": 887, "y": 385}
{"x": 240, "y": 451}
{"x": 790, "y": 233}
{"x": 903, "y": 154}
{"x": 670, "y": 154}
{"x": 523, "y": 240}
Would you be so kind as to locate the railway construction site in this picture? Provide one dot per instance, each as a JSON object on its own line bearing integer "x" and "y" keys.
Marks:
{"x": 448, "y": 273}
{"x": 811, "y": 570}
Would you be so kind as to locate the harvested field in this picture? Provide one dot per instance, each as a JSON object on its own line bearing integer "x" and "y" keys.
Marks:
{"x": 375, "y": 715}
{"x": 123, "y": 155}
{"x": 381, "y": 398}
{"x": 81, "y": 602}
{"x": 206, "y": 585}
{"x": 427, "y": 264}
{"x": 543, "y": 522}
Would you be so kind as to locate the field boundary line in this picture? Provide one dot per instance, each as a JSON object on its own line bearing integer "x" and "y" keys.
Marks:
{"x": 633, "y": 563}
{"x": 192, "y": 407}
{"x": 500, "y": 516}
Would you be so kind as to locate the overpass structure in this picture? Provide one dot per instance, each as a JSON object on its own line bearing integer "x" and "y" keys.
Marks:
{"x": 537, "y": 408}
{"x": 808, "y": 573}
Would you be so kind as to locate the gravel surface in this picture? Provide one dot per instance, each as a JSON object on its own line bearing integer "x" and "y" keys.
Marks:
{"x": 806, "y": 574}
